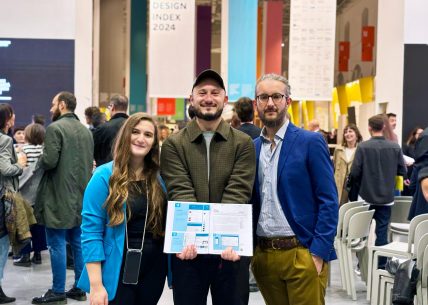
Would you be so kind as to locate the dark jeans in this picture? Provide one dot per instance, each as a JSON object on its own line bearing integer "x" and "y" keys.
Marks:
{"x": 191, "y": 280}
{"x": 382, "y": 216}
{"x": 151, "y": 280}
{"x": 244, "y": 280}
{"x": 38, "y": 240}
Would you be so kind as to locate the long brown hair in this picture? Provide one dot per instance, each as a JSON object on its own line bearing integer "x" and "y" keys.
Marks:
{"x": 411, "y": 140}
{"x": 122, "y": 175}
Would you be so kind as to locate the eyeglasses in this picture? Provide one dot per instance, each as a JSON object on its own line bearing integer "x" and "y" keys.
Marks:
{"x": 264, "y": 98}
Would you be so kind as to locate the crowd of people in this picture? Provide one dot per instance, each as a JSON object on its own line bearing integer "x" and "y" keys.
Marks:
{"x": 103, "y": 189}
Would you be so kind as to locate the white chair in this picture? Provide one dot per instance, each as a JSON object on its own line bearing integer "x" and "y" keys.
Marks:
{"x": 387, "y": 282}
{"x": 343, "y": 242}
{"x": 357, "y": 228}
{"x": 422, "y": 265}
{"x": 399, "y": 213}
{"x": 423, "y": 293}
{"x": 342, "y": 210}
{"x": 396, "y": 248}
{"x": 385, "y": 294}
{"x": 420, "y": 242}
{"x": 399, "y": 224}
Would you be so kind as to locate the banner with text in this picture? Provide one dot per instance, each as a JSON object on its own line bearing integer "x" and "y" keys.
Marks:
{"x": 171, "y": 48}
{"x": 242, "y": 48}
{"x": 312, "y": 42}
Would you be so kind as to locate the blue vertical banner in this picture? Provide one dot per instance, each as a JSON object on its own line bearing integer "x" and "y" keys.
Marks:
{"x": 242, "y": 48}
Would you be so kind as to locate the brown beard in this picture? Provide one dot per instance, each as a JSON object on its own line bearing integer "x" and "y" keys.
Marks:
{"x": 208, "y": 117}
{"x": 56, "y": 115}
{"x": 273, "y": 123}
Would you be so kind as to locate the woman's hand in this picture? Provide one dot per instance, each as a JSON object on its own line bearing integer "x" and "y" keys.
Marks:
{"x": 189, "y": 252}
{"x": 98, "y": 295}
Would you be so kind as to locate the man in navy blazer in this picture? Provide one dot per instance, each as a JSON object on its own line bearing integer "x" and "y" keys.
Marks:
{"x": 295, "y": 203}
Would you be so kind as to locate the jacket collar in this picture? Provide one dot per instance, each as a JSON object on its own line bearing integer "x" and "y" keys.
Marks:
{"x": 119, "y": 115}
{"x": 68, "y": 115}
{"x": 195, "y": 131}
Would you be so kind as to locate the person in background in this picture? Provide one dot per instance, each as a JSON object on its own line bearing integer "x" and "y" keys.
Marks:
{"x": 419, "y": 179}
{"x": 28, "y": 183}
{"x": 332, "y": 136}
{"x": 409, "y": 146}
{"x": 376, "y": 163}
{"x": 90, "y": 112}
{"x": 245, "y": 110}
{"x": 132, "y": 178}
{"x": 343, "y": 157}
{"x": 11, "y": 166}
{"x": 409, "y": 150}
{"x": 18, "y": 137}
{"x": 295, "y": 206}
{"x": 98, "y": 118}
{"x": 389, "y": 132}
{"x": 235, "y": 122}
{"x": 67, "y": 161}
{"x": 105, "y": 134}
{"x": 38, "y": 119}
{"x": 423, "y": 180}
{"x": 163, "y": 133}
{"x": 314, "y": 126}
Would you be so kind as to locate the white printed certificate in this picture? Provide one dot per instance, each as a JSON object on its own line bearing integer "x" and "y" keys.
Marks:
{"x": 211, "y": 227}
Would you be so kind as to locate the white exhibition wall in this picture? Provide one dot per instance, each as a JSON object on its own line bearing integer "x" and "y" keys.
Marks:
{"x": 390, "y": 58}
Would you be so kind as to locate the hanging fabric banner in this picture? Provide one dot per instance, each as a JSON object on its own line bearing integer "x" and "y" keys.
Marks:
{"x": 171, "y": 48}
{"x": 312, "y": 42}
{"x": 367, "y": 43}
{"x": 344, "y": 53}
{"x": 241, "y": 47}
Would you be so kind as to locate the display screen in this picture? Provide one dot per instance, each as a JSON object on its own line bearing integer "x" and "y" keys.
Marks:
{"x": 32, "y": 71}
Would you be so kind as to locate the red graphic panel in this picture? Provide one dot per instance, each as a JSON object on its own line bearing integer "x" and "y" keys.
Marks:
{"x": 166, "y": 106}
{"x": 344, "y": 53}
{"x": 367, "y": 43}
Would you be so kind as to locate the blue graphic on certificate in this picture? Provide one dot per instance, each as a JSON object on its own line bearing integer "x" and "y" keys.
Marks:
{"x": 211, "y": 227}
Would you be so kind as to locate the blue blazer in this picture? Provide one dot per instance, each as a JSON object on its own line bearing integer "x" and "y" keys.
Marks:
{"x": 101, "y": 243}
{"x": 306, "y": 190}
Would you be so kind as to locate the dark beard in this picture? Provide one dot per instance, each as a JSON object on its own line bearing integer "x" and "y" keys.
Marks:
{"x": 274, "y": 123}
{"x": 56, "y": 115}
{"x": 208, "y": 116}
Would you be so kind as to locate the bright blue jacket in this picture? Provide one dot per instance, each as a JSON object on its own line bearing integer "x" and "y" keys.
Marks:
{"x": 101, "y": 243}
{"x": 306, "y": 190}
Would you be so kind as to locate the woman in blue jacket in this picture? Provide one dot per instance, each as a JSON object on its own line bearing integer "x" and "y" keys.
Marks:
{"x": 123, "y": 221}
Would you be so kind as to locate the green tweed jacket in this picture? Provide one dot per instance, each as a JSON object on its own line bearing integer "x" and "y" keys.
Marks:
{"x": 232, "y": 165}
{"x": 67, "y": 160}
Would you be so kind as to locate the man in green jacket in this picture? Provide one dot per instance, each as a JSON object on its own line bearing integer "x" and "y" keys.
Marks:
{"x": 207, "y": 161}
{"x": 67, "y": 161}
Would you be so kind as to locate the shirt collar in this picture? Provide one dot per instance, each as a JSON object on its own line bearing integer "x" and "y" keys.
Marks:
{"x": 195, "y": 131}
{"x": 280, "y": 134}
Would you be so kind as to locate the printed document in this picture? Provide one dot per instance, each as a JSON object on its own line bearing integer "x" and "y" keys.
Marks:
{"x": 211, "y": 227}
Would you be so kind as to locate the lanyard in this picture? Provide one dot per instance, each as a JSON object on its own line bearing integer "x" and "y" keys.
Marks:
{"x": 145, "y": 224}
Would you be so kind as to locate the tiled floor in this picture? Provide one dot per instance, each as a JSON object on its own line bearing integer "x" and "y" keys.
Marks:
{"x": 25, "y": 283}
